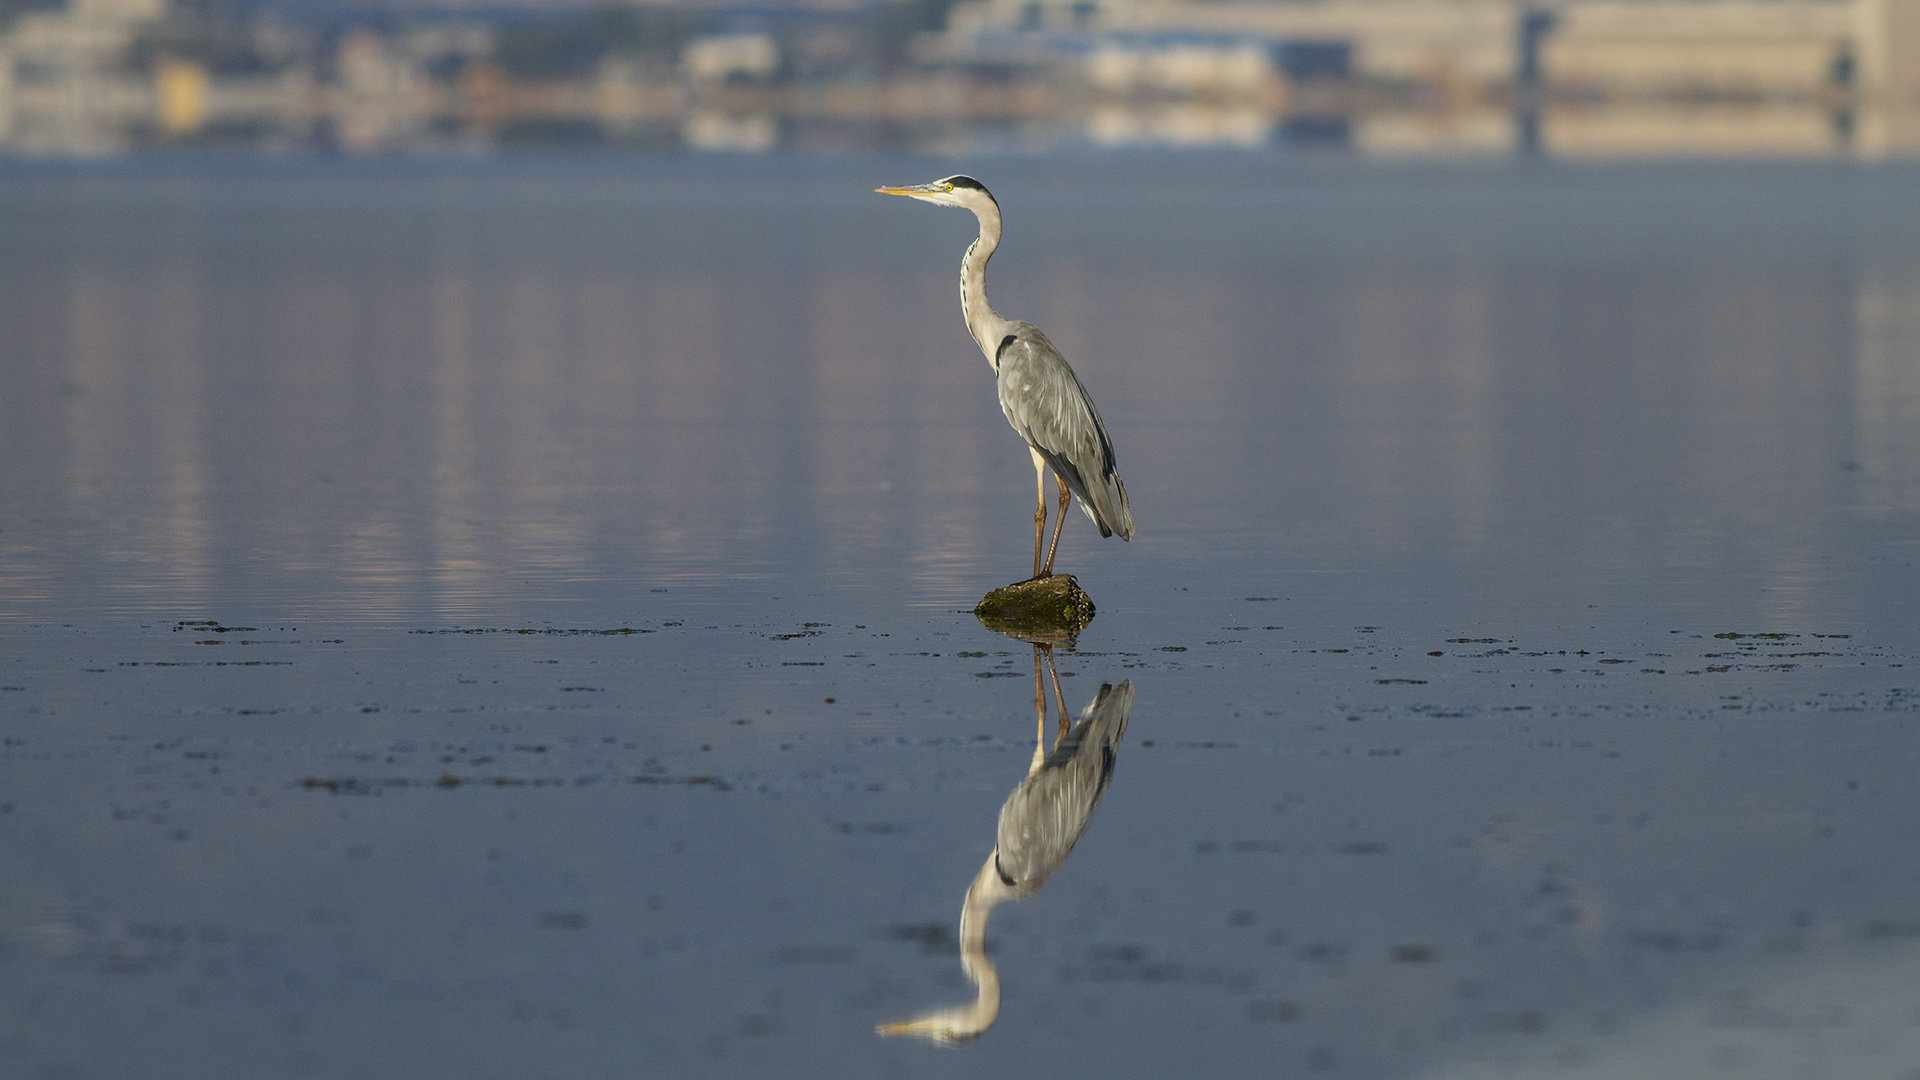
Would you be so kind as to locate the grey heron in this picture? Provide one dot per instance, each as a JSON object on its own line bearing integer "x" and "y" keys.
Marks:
{"x": 1039, "y": 393}
{"x": 1039, "y": 824}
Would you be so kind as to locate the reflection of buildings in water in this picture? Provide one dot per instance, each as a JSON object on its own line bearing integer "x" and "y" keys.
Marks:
{"x": 1181, "y": 125}
{"x": 402, "y": 436}
{"x": 135, "y": 417}
{"x": 1887, "y": 387}
{"x": 1039, "y": 824}
{"x": 705, "y": 130}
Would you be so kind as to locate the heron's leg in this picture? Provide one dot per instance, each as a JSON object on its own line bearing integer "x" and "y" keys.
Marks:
{"x": 1059, "y": 699}
{"x": 1066, "y": 500}
{"x": 1039, "y": 512}
{"x": 1039, "y": 711}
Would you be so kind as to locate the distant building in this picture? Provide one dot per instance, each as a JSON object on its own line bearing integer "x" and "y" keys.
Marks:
{"x": 719, "y": 57}
{"x": 1571, "y": 77}
{"x": 1613, "y": 76}
{"x": 62, "y": 87}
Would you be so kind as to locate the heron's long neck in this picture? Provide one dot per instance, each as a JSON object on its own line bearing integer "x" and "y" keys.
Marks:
{"x": 985, "y": 324}
{"x": 986, "y": 892}
{"x": 958, "y": 1023}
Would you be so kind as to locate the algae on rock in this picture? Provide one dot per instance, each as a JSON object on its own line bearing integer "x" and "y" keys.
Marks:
{"x": 1049, "y": 611}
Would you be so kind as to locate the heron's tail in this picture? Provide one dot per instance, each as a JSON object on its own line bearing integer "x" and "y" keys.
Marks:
{"x": 1105, "y": 502}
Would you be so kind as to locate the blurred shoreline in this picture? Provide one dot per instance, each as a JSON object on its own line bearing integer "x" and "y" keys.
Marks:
{"x": 1384, "y": 78}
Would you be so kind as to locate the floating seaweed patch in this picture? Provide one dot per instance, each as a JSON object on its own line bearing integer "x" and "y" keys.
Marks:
{"x": 352, "y": 785}
{"x": 713, "y": 782}
{"x": 1130, "y": 963}
{"x": 558, "y": 631}
{"x": 1515, "y": 1023}
{"x": 204, "y": 663}
{"x": 818, "y": 954}
{"x": 349, "y": 785}
{"x": 1675, "y": 941}
{"x": 1893, "y": 928}
{"x": 874, "y": 828}
{"x": 1273, "y": 1012}
{"x": 932, "y": 939}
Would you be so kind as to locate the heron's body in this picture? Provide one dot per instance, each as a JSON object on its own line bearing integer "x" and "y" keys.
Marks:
{"x": 1039, "y": 393}
{"x": 1045, "y": 403}
{"x": 1045, "y": 815}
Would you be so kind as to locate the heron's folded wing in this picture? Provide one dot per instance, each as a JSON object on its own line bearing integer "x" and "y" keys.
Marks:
{"x": 1044, "y": 401}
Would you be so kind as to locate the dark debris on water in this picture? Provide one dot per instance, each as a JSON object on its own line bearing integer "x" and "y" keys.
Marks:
{"x": 559, "y": 631}
{"x": 352, "y": 785}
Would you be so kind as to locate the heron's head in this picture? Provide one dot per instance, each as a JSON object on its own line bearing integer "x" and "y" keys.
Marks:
{"x": 953, "y": 191}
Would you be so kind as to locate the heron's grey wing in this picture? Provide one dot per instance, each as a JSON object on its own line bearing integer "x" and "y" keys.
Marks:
{"x": 1045, "y": 403}
{"x": 1046, "y": 814}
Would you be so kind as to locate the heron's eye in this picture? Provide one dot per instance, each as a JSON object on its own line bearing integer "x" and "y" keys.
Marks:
{"x": 949, "y": 187}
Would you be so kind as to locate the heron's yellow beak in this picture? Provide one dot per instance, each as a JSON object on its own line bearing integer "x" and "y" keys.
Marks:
{"x": 937, "y": 1026}
{"x": 901, "y": 190}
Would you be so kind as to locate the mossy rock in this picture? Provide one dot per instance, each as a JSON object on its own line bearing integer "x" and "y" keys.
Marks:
{"x": 1046, "y": 611}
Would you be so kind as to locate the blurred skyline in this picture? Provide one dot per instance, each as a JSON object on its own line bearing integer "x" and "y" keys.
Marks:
{"x": 1610, "y": 78}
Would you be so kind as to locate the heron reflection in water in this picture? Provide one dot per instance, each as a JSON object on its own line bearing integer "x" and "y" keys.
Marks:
{"x": 1039, "y": 824}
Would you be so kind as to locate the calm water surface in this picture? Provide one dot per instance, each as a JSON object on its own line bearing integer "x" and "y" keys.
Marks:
{"x": 512, "y": 621}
